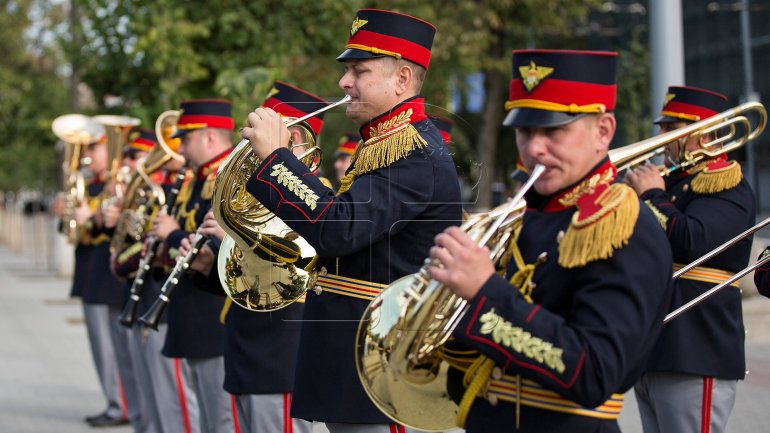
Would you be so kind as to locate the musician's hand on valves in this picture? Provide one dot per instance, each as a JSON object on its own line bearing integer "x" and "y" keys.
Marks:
{"x": 644, "y": 178}
{"x": 210, "y": 227}
{"x": 204, "y": 261}
{"x": 267, "y": 132}
{"x": 82, "y": 213}
{"x": 464, "y": 266}
{"x": 163, "y": 225}
{"x": 111, "y": 215}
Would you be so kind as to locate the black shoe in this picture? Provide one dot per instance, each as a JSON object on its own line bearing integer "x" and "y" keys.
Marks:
{"x": 105, "y": 420}
{"x": 90, "y": 418}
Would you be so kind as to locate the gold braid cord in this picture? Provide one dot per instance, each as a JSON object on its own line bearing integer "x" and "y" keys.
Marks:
{"x": 598, "y": 235}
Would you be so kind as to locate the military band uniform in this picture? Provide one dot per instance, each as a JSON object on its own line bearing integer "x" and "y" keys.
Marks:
{"x": 565, "y": 332}
{"x": 762, "y": 275}
{"x": 260, "y": 347}
{"x": 400, "y": 191}
{"x": 690, "y": 380}
{"x": 168, "y": 401}
{"x": 101, "y": 306}
{"x": 194, "y": 334}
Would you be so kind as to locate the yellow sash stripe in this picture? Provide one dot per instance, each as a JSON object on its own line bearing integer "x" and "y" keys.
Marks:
{"x": 706, "y": 275}
{"x": 349, "y": 286}
{"x": 534, "y": 395}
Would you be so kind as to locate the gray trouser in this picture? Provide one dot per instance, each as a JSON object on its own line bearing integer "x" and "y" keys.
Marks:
{"x": 98, "y": 322}
{"x": 268, "y": 413}
{"x": 206, "y": 378}
{"x": 684, "y": 403}
{"x": 122, "y": 342}
{"x": 175, "y": 401}
{"x": 147, "y": 404}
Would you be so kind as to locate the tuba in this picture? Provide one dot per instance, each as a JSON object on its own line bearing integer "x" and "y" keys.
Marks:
{"x": 401, "y": 331}
{"x": 142, "y": 193}
{"x": 76, "y": 131}
{"x": 117, "y": 129}
{"x": 263, "y": 264}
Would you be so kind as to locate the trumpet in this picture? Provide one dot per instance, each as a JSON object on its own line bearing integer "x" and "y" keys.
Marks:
{"x": 736, "y": 121}
{"x": 76, "y": 131}
{"x": 261, "y": 260}
{"x": 404, "y": 326}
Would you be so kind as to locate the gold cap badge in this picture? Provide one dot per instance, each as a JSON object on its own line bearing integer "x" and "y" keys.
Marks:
{"x": 357, "y": 24}
{"x": 532, "y": 75}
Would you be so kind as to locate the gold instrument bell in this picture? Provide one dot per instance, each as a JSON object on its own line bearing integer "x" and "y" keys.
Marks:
{"x": 261, "y": 261}
{"x": 76, "y": 131}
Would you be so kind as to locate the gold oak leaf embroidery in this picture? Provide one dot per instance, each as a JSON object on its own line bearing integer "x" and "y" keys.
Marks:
{"x": 294, "y": 184}
{"x": 404, "y": 117}
{"x": 521, "y": 341}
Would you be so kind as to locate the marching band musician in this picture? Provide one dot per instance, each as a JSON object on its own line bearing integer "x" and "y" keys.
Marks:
{"x": 401, "y": 190}
{"x": 261, "y": 348}
{"x": 567, "y": 330}
{"x": 194, "y": 334}
{"x": 102, "y": 300}
{"x": 343, "y": 156}
{"x": 762, "y": 275}
{"x": 155, "y": 374}
{"x": 690, "y": 380}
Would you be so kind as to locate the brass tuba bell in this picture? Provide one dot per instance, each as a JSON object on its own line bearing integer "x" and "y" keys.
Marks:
{"x": 76, "y": 131}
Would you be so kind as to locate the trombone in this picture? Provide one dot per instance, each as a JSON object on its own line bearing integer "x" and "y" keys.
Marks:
{"x": 738, "y": 275}
{"x": 736, "y": 121}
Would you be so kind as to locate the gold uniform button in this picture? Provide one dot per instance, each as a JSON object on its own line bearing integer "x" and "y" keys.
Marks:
{"x": 673, "y": 198}
{"x": 686, "y": 187}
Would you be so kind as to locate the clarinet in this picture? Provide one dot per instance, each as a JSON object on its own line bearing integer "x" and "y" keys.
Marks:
{"x": 152, "y": 316}
{"x": 127, "y": 317}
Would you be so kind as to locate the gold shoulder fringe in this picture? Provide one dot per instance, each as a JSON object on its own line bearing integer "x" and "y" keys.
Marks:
{"x": 599, "y": 235}
{"x": 713, "y": 181}
{"x": 382, "y": 151}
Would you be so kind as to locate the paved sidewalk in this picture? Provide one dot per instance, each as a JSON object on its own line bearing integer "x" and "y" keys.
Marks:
{"x": 48, "y": 384}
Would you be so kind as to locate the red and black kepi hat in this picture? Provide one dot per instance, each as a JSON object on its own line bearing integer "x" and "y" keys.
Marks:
{"x": 204, "y": 113}
{"x": 690, "y": 104}
{"x": 556, "y": 87}
{"x": 444, "y": 126}
{"x": 291, "y": 101}
{"x": 348, "y": 143}
{"x": 142, "y": 140}
{"x": 380, "y": 33}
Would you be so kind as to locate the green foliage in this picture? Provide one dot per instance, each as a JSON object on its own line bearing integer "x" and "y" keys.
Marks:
{"x": 32, "y": 95}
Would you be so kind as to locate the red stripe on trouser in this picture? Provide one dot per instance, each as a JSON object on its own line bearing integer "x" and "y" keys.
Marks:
{"x": 288, "y": 426}
{"x": 123, "y": 401}
{"x": 705, "y": 422}
{"x": 397, "y": 428}
{"x": 182, "y": 397}
{"x": 236, "y": 424}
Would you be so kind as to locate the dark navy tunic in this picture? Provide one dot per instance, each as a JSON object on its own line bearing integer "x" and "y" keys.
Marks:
{"x": 378, "y": 231}
{"x": 597, "y": 322}
{"x": 194, "y": 329}
{"x": 103, "y": 288}
{"x": 708, "y": 339}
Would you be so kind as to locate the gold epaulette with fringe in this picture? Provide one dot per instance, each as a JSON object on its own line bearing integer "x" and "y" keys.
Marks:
{"x": 395, "y": 143}
{"x": 604, "y": 222}
{"x": 717, "y": 177}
